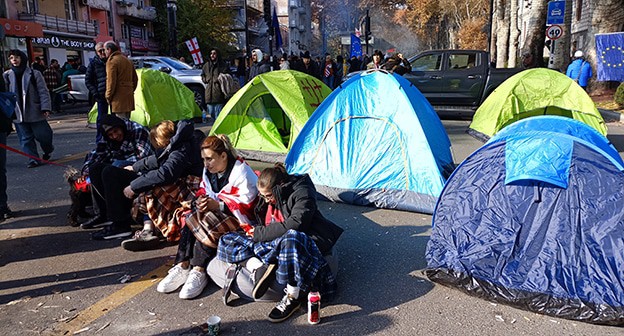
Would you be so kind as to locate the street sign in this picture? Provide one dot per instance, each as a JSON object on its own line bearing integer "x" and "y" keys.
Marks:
{"x": 554, "y": 32}
{"x": 556, "y": 11}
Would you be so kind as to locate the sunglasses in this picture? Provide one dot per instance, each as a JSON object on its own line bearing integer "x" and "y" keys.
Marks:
{"x": 266, "y": 197}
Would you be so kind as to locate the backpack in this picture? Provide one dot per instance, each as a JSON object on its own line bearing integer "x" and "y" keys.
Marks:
{"x": 229, "y": 85}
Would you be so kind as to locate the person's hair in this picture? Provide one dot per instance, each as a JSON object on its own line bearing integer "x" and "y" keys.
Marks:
{"x": 272, "y": 176}
{"x": 99, "y": 45}
{"x": 162, "y": 133}
{"x": 111, "y": 45}
{"x": 220, "y": 143}
{"x": 54, "y": 60}
{"x": 378, "y": 53}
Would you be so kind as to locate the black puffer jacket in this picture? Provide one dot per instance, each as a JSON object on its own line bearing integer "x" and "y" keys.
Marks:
{"x": 179, "y": 159}
{"x": 95, "y": 78}
{"x": 296, "y": 199}
{"x": 6, "y": 124}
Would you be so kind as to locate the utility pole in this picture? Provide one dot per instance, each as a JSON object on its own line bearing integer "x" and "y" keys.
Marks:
{"x": 367, "y": 30}
{"x": 172, "y": 8}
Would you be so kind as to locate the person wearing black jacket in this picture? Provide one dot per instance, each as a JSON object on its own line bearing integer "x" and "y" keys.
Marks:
{"x": 95, "y": 80}
{"x": 5, "y": 129}
{"x": 166, "y": 179}
{"x": 290, "y": 246}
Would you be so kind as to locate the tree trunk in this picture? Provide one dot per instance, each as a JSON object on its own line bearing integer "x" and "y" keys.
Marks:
{"x": 493, "y": 29}
{"x": 502, "y": 33}
{"x": 607, "y": 16}
{"x": 514, "y": 34}
{"x": 534, "y": 42}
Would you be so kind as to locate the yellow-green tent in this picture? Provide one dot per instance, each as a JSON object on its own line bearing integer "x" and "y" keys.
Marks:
{"x": 265, "y": 116}
{"x": 535, "y": 92}
{"x": 158, "y": 97}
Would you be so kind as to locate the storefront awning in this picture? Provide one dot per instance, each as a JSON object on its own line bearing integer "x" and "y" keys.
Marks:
{"x": 17, "y": 28}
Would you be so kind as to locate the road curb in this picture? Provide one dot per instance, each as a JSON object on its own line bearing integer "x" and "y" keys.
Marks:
{"x": 609, "y": 115}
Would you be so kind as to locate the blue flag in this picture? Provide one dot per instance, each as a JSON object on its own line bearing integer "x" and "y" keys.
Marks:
{"x": 356, "y": 46}
{"x": 278, "y": 33}
{"x": 610, "y": 57}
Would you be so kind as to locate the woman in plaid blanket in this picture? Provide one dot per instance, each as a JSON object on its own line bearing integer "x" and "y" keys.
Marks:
{"x": 228, "y": 187}
{"x": 289, "y": 246}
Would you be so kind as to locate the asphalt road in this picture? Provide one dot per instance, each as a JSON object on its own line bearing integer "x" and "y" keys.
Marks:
{"x": 55, "y": 281}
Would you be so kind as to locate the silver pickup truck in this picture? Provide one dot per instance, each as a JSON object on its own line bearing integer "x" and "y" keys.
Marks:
{"x": 183, "y": 72}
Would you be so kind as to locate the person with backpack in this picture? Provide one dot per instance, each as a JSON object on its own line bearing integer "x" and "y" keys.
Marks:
{"x": 580, "y": 70}
{"x": 215, "y": 97}
{"x": 32, "y": 108}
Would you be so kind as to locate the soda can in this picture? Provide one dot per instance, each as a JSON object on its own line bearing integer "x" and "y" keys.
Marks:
{"x": 314, "y": 307}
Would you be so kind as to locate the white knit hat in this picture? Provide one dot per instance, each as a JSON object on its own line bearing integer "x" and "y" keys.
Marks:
{"x": 258, "y": 54}
{"x": 578, "y": 54}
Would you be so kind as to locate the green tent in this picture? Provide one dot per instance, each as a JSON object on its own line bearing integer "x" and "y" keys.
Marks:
{"x": 265, "y": 116}
{"x": 534, "y": 92}
{"x": 158, "y": 97}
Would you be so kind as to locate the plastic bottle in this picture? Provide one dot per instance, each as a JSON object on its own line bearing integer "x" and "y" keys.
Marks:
{"x": 314, "y": 307}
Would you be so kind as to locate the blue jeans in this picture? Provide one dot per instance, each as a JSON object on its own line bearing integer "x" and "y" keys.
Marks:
{"x": 3, "y": 171}
{"x": 102, "y": 109}
{"x": 329, "y": 81}
{"x": 28, "y": 132}
{"x": 213, "y": 110}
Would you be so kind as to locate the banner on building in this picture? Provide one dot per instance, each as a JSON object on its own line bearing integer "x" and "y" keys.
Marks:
{"x": 193, "y": 48}
{"x": 610, "y": 57}
{"x": 356, "y": 46}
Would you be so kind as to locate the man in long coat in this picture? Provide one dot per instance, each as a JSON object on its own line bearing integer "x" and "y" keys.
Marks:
{"x": 121, "y": 81}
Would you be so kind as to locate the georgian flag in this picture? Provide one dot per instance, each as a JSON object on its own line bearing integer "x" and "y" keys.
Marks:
{"x": 193, "y": 48}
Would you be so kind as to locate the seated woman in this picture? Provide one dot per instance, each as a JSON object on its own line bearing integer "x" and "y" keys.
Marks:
{"x": 229, "y": 186}
{"x": 294, "y": 237}
{"x": 167, "y": 178}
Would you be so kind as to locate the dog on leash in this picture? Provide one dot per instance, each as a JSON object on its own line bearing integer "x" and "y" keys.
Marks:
{"x": 80, "y": 195}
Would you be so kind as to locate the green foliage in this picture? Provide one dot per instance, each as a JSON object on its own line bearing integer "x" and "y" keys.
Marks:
{"x": 209, "y": 21}
{"x": 618, "y": 97}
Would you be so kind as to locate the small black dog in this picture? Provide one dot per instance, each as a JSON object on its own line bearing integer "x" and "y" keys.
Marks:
{"x": 80, "y": 197}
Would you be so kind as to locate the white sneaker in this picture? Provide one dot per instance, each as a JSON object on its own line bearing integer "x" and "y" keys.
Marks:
{"x": 176, "y": 278}
{"x": 194, "y": 285}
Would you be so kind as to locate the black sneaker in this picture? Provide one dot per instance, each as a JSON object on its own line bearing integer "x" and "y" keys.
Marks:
{"x": 46, "y": 156}
{"x": 111, "y": 232}
{"x": 262, "y": 277}
{"x": 95, "y": 222}
{"x": 284, "y": 309}
{"x": 143, "y": 240}
{"x": 33, "y": 164}
{"x": 6, "y": 213}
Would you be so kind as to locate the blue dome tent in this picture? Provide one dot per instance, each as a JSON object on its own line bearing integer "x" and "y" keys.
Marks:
{"x": 535, "y": 219}
{"x": 376, "y": 141}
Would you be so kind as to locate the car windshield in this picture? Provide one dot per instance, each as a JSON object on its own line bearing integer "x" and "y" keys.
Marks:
{"x": 175, "y": 64}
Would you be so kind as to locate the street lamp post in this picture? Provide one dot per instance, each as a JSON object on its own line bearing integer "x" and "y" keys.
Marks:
{"x": 172, "y": 8}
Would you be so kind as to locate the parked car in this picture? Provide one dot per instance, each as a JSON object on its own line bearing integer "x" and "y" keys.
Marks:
{"x": 181, "y": 71}
{"x": 455, "y": 81}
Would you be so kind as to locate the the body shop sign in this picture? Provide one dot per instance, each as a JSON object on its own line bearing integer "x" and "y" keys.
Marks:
{"x": 64, "y": 43}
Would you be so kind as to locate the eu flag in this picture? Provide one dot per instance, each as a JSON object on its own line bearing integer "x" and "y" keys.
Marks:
{"x": 278, "y": 33}
{"x": 356, "y": 46}
{"x": 610, "y": 57}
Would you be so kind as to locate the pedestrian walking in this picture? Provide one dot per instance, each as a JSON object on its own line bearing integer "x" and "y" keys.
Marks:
{"x": 52, "y": 78}
{"x": 580, "y": 70}
{"x": 95, "y": 80}
{"x": 215, "y": 97}
{"x": 32, "y": 108}
{"x": 121, "y": 81}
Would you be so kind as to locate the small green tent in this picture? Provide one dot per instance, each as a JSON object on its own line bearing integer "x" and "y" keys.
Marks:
{"x": 265, "y": 116}
{"x": 534, "y": 92}
{"x": 159, "y": 97}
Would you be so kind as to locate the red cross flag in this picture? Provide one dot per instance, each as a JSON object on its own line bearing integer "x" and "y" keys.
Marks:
{"x": 193, "y": 47}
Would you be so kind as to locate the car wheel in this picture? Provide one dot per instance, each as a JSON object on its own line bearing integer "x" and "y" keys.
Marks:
{"x": 199, "y": 96}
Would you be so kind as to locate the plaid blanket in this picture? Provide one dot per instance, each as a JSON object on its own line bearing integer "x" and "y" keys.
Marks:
{"x": 164, "y": 205}
{"x": 298, "y": 259}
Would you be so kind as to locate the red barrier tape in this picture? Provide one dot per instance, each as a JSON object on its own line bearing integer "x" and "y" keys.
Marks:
{"x": 30, "y": 156}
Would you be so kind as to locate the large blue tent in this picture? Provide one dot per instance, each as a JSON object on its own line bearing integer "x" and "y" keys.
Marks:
{"x": 376, "y": 141}
{"x": 535, "y": 219}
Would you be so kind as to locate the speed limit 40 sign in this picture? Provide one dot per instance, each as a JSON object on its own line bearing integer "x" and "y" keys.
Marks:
{"x": 554, "y": 32}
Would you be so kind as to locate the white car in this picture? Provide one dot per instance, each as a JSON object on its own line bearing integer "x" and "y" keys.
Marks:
{"x": 183, "y": 72}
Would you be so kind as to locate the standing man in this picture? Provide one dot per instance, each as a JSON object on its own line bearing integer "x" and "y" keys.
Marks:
{"x": 32, "y": 108}
{"x": 215, "y": 98}
{"x": 308, "y": 66}
{"x": 95, "y": 80}
{"x": 121, "y": 81}
{"x": 580, "y": 70}
{"x": 39, "y": 64}
{"x": 52, "y": 77}
{"x": 258, "y": 66}
{"x": 5, "y": 129}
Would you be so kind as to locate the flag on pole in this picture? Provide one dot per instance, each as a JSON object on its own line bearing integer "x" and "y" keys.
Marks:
{"x": 276, "y": 29}
{"x": 356, "y": 46}
{"x": 610, "y": 57}
{"x": 193, "y": 48}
